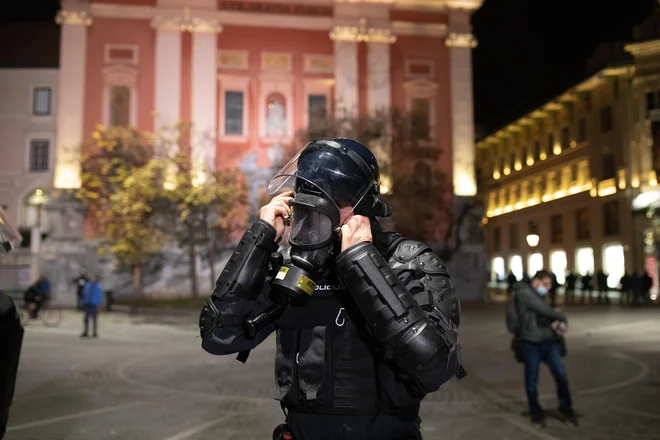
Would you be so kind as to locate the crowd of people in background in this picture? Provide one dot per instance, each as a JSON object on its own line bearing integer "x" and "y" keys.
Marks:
{"x": 634, "y": 289}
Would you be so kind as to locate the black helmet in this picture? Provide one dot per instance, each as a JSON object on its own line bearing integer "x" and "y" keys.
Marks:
{"x": 343, "y": 170}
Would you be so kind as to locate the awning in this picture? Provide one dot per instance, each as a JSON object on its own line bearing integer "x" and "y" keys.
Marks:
{"x": 646, "y": 200}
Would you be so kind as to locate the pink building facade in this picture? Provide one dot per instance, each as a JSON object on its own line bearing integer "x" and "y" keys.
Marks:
{"x": 250, "y": 74}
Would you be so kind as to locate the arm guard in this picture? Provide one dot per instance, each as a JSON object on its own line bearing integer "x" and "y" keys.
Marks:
{"x": 243, "y": 277}
{"x": 422, "y": 343}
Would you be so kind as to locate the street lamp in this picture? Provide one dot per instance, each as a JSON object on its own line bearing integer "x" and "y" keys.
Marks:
{"x": 533, "y": 240}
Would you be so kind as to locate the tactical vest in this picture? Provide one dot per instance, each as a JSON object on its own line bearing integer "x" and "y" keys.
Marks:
{"x": 327, "y": 362}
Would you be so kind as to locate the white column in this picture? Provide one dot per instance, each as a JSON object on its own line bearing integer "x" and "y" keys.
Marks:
{"x": 379, "y": 82}
{"x": 70, "y": 107}
{"x": 460, "y": 45}
{"x": 204, "y": 96}
{"x": 168, "y": 75}
{"x": 346, "y": 77}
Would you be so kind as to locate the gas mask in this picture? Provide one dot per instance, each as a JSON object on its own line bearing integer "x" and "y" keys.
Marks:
{"x": 313, "y": 238}
{"x": 324, "y": 175}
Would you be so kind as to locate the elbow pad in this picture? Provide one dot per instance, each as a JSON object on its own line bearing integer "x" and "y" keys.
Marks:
{"x": 247, "y": 268}
{"x": 425, "y": 347}
{"x": 384, "y": 301}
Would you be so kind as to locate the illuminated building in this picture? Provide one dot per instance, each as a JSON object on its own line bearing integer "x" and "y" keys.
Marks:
{"x": 28, "y": 122}
{"x": 251, "y": 74}
{"x": 571, "y": 171}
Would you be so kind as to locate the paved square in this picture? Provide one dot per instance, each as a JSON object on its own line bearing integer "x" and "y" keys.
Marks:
{"x": 147, "y": 380}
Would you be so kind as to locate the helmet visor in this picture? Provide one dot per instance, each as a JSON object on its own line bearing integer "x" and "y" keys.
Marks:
{"x": 9, "y": 237}
{"x": 326, "y": 169}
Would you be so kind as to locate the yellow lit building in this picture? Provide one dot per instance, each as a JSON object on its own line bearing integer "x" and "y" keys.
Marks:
{"x": 570, "y": 172}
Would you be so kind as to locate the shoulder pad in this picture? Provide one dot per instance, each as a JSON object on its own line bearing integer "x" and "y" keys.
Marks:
{"x": 431, "y": 264}
{"x": 415, "y": 255}
{"x": 407, "y": 250}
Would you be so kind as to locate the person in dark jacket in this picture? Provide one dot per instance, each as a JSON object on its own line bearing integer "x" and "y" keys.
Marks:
{"x": 538, "y": 345}
{"x": 571, "y": 282}
{"x": 80, "y": 283}
{"x": 11, "y": 330}
{"x": 366, "y": 321}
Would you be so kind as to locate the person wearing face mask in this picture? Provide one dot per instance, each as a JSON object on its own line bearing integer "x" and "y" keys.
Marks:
{"x": 538, "y": 337}
{"x": 366, "y": 321}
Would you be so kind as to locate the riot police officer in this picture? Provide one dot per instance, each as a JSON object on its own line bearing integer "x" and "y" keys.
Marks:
{"x": 11, "y": 330}
{"x": 366, "y": 321}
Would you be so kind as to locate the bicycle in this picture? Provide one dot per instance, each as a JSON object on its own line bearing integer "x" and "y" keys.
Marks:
{"x": 49, "y": 316}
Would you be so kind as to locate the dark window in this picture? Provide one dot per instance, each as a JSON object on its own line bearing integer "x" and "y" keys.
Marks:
{"x": 565, "y": 139}
{"x": 650, "y": 103}
{"x": 502, "y": 165}
{"x": 39, "y": 154}
{"x": 120, "y": 105}
{"x": 41, "y": 101}
{"x": 513, "y": 236}
{"x": 523, "y": 156}
{"x": 512, "y": 161}
{"x": 606, "y": 119}
{"x": 317, "y": 109}
{"x": 582, "y": 230}
{"x": 537, "y": 151}
{"x": 556, "y": 231}
{"x": 531, "y": 189}
{"x": 233, "y": 112}
{"x": 532, "y": 227}
{"x": 570, "y": 110}
{"x": 582, "y": 131}
{"x": 420, "y": 119}
{"x": 551, "y": 143}
{"x": 497, "y": 239}
{"x": 609, "y": 166}
{"x": 611, "y": 218}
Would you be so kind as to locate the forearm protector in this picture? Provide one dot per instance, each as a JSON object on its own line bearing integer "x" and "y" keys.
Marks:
{"x": 420, "y": 344}
{"x": 243, "y": 276}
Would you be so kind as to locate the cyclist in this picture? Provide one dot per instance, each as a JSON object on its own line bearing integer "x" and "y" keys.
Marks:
{"x": 37, "y": 296}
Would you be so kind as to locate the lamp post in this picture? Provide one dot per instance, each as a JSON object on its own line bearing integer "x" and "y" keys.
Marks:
{"x": 38, "y": 199}
{"x": 532, "y": 240}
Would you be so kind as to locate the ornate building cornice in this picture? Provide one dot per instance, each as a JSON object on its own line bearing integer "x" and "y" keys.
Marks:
{"x": 73, "y": 17}
{"x": 363, "y": 33}
{"x": 455, "y": 39}
{"x": 187, "y": 23}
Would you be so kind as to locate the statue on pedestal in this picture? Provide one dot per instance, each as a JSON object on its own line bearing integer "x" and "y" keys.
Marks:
{"x": 275, "y": 120}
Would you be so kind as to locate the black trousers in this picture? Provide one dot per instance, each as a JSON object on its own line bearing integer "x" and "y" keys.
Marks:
{"x": 340, "y": 427}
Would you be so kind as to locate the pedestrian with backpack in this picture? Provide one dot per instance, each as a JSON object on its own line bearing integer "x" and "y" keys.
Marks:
{"x": 531, "y": 321}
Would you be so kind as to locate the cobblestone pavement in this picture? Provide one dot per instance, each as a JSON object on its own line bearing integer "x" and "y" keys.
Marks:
{"x": 150, "y": 380}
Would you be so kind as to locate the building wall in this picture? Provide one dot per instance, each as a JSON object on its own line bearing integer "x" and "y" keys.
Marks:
{"x": 584, "y": 163}
{"x": 21, "y": 172}
{"x": 176, "y": 60}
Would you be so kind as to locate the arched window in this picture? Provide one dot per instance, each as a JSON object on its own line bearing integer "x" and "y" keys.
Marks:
{"x": 276, "y": 121}
{"x": 34, "y": 213}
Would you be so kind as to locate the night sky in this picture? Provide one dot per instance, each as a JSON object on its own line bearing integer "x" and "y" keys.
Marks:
{"x": 529, "y": 50}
